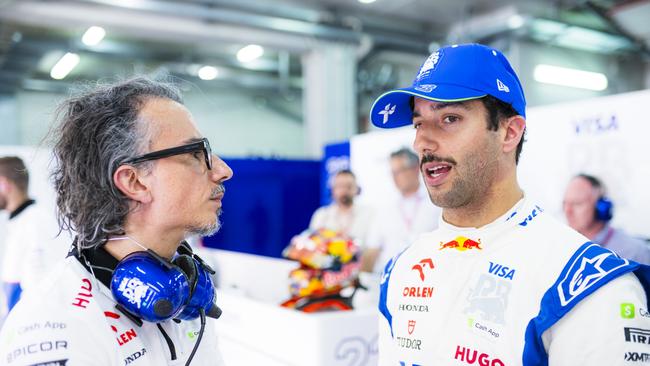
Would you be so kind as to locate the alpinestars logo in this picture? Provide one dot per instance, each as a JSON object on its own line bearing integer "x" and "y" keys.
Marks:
{"x": 387, "y": 111}
{"x": 422, "y": 265}
{"x": 589, "y": 267}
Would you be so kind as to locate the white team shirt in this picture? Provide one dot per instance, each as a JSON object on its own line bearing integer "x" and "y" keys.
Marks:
{"x": 399, "y": 224}
{"x": 71, "y": 320}
{"x": 32, "y": 247}
{"x": 462, "y": 296}
{"x": 355, "y": 224}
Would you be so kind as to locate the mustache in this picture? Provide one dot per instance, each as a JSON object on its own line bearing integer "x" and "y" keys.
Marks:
{"x": 429, "y": 158}
{"x": 217, "y": 190}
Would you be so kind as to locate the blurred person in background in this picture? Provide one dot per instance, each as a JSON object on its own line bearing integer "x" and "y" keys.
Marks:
{"x": 343, "y": 214}
{"x": 134, "y": 177}
{"x": 500, "y": 282}
{"x": 32, "y": 245}
{"x": 589, "y": 211}
{"x": 398, "y": 224}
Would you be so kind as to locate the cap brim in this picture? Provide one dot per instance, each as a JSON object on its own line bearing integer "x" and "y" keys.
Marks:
{"x": 392, "y": 109}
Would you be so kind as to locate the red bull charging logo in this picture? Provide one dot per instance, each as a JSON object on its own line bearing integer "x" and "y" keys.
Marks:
{"x": 462, "y": 244}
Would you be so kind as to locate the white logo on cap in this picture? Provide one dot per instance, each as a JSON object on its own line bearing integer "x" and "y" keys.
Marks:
{"x": 425, "y": 88}
{"x": 387, "y": 111}
{"x": 502, "y": 87}
{"x": 429, "y": 64}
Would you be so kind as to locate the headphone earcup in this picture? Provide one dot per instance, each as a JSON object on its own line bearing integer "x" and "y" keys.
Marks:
{"x": 189, "y": 267}
{"x": 604, "y": 209}
{"x": 202, "y": 296}
{"x": 148, "y": 288}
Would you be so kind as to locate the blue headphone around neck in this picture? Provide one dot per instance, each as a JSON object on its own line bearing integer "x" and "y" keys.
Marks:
{"x": 156, "y": 289}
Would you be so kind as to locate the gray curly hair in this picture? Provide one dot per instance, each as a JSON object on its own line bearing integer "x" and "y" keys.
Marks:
{"x": 97, "y": 130}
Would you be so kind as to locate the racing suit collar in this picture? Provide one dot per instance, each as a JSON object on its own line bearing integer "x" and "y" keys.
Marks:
{"x": 510, "y": 215}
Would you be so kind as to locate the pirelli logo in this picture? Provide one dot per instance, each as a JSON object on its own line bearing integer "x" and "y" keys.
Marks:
{"x": 637, "y": 335}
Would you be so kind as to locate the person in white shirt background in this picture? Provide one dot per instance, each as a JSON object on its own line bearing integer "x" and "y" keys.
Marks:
{"x": 401, "y": 221}
{"x": 31, "y": 245}
{"x": 588, "y": 211}
{"x": 343, "y": 214}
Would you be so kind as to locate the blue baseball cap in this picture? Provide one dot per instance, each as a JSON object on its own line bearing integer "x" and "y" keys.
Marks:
{"x": 452, "y": 74}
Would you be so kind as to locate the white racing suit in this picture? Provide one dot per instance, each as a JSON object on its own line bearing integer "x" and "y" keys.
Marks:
{"x": 72, "y": 320}
{"x": 519, "y": 291}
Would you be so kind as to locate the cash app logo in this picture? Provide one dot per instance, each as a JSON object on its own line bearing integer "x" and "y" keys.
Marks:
{"x": 627, "y": 310}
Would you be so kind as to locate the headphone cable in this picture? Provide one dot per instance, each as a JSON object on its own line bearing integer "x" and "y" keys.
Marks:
{"x": 198, "y": 340}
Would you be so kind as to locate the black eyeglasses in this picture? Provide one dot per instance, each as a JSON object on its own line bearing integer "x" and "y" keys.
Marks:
{"x": 200, "y": 145}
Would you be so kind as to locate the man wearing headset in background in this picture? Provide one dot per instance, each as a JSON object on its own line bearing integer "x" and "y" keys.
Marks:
{"x": 343, "y": 214}
{"x": 499, "y": 282}
{"x": 133, "y": 178}
{"x": 588, "y": 211}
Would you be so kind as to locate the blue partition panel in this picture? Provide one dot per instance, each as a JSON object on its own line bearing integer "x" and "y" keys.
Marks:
{"x": 266, "y": 203}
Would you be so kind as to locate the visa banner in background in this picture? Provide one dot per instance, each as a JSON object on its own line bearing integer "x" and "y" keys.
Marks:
{"x": 606, "y": 137}
{"x": 336, "y": 157}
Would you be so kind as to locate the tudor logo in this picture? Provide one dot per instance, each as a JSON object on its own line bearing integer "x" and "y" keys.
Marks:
{"x": 423, "y": 264}
{"x": 411, "y": 326}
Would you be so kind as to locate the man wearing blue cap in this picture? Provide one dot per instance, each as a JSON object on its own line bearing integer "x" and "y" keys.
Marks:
{"x": 499, "y": 282}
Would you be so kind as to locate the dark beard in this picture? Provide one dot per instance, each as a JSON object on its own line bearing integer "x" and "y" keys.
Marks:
{"x": 346, "y": 201}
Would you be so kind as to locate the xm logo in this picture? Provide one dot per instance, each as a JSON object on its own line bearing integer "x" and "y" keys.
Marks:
{"x": 636, "y": 356}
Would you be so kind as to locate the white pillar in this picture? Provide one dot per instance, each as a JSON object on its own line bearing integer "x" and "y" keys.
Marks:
{"x": 329, "y": 95}
{"x": 9, "y": 121}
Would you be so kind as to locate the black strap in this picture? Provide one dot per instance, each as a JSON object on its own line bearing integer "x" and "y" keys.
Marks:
{"x": 170, "y": 344}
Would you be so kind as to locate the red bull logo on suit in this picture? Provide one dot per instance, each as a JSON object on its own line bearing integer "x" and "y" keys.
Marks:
{"x": 461, "y": 244}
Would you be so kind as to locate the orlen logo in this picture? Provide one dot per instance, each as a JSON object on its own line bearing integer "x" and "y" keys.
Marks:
{"x": 462, "y": 244}
{"x": 122, "y": 338}
{"x": 422, "y": 265}
{"x": 471, "y": 357}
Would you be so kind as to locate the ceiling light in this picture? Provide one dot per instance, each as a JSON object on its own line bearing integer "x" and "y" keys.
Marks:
{"x": 208, "y": 73}
{"x": 570, "y": 77}
{"x": 516, "y": 21}
{"x": 63, "y": 67}
{"x": 250, "y": 53}
{"x": 366, "y": 1}
{"x": 93, "y": 35}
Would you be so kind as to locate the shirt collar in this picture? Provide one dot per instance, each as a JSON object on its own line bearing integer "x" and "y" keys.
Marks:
{"x": 21, "y": 208}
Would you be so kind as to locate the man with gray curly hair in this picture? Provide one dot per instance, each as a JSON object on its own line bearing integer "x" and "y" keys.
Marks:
{"x": 134, "y": 177}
